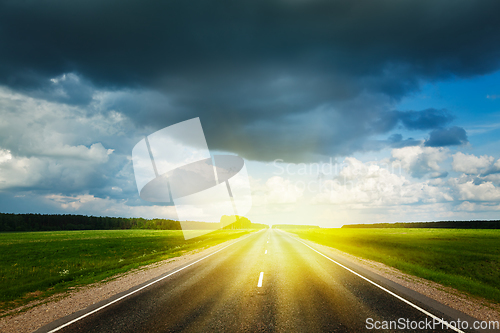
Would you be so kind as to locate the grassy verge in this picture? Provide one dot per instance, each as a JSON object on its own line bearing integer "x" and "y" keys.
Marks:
{"x": 468, "y": 260}
{"x": 35, "y": 265}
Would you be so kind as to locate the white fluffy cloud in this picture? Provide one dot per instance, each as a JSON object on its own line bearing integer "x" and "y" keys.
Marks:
{"x": 471, "y": 164}
{"x": 5, "y": 155}
{"x": 474, "y": 207}
{"x": 420, "y": 161}
{"x": 33, "y": 127}
{"x": 370, "y": 185}
{"x": 280, "y": 191}
{"x": 276, "y": 190}
{"x": 468, "y": 190}
{"x": 59, "y": 148}
{"x": 73, "y": 172}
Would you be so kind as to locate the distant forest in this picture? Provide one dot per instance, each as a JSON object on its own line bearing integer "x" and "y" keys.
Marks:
{"x": 440, "y": 224}
{"x": 40, "y": 222}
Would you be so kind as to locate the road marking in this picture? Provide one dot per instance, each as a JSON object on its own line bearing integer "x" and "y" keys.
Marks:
{"x": 265, "y": 252}
{"x": 260, "y": 279}
{"x": 143, "y": 287}
{"x": 268, "y": 241}
{"x": 386, "y": 290}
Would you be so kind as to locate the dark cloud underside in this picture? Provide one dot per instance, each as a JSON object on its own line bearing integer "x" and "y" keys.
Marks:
{"x": 453, "y": 136}
{"x": 269, "y": 79}
{"x": 131, "y": 42}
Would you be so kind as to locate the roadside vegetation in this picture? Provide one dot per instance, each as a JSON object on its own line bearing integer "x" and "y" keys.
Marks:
{"x": 467, "y": 260}
{"x": 35, "y": 265}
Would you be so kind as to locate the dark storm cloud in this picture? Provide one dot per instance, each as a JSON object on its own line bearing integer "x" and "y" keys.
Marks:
{"x": 425, "y": 119}
{"x": 395, "y": 138}
{"x": 414, "y": 120}
{"x": 269, "y": 78}
{"x": 452, "y": 136}
{"x": 131, "y": 42}
{"x": 396, "y": 141}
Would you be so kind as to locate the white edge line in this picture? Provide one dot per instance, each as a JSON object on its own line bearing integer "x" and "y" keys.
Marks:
{"x": 261, "y": 277}
{"x": 386, "y": 290}
{"x": 265, "y": 252}
{"x": 141, "y": 288}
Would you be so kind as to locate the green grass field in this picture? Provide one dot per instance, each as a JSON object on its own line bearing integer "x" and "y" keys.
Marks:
{"x": 34, "y": 265}
{"x": 468, "y": 260}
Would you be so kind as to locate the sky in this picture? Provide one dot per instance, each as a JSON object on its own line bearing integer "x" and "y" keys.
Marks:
{"x": 344, "y": 111}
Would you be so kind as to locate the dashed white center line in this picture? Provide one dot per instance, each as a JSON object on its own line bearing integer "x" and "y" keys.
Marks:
{"x": 260, "y": 279}
{"x": 265, "y": 252}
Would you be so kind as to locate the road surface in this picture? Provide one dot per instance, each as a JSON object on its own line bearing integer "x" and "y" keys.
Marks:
{"x": 265, "y": 282}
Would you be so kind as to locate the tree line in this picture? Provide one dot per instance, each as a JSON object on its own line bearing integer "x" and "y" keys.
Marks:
{"x": 487, "y": 224}
{"x": 53, "y": 222}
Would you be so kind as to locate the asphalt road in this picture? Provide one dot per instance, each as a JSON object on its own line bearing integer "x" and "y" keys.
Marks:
{"x": 301, "y": 291}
